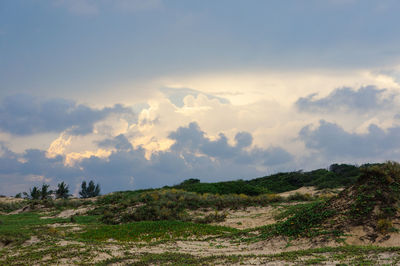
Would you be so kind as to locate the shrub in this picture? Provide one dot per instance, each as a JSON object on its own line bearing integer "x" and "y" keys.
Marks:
{"x": 384, "y": 225}
{"x": 210, "y": 218}
{"x": 300, "y": 197}
{"x": 170, "y": 204}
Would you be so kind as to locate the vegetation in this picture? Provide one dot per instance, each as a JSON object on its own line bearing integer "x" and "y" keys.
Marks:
{"x": 185, "y": 221}
{"x": 89, "y": 191}
{"x": 34, "y": 193}
{"x": 172, "y": 204}
{"x": 62, "y": 191}
{"x": 222, "y": 188}
{"x": 153, "y": 231}
{"x": 306, "y": 220}
{"x": 338, "y": 175}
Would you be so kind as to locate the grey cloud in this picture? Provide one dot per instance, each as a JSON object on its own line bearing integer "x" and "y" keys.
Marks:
{"x": 364, "y": 99}
{"x": 16, "y": 170}
{"x": 243, "y": 139}
{"x": 193, "y": 155}
{"x": 25, "y": 115}
{"x": 192, "y": 139}
{"x": 333, "y": 141}
{"x": 119, "y": 142}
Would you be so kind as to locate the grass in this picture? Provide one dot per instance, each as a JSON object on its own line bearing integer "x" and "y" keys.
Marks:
{"x": 354, "y": 255}
{"x": 149, "y": 231}
{"x": 11, "y": 206}
{"x": 20, "y": 227}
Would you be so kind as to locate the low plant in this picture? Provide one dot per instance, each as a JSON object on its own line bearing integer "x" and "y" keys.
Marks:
{"x": 307, "y": 220}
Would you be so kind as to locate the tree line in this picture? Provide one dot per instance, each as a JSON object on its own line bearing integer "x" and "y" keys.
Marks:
{"x": 89, "y": 190}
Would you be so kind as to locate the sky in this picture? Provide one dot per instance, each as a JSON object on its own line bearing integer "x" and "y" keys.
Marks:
{"x": 146, "y": 93}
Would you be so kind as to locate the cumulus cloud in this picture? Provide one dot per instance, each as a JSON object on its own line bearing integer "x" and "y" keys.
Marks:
{"x": 25, "y": 115}
{"x": 120, "y": 142}
{"x": 332, "y": 141}
{"x": 365, "y": 99}
{"x": 192, "y": 139}
{"x": 193, "y": 154}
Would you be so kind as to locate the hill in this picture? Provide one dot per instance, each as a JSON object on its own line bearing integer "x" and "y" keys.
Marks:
{"x": 338, "y": 175}
{"x": 356, "y": 225}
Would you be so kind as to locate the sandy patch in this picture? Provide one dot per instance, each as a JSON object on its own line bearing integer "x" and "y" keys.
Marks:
{"x": 303, "y": 190}
{"x": 64, "y": 243}
{"x": 31, "y": 241}
{"x": 311, "y": 191}
{"x": 69, "y": 227}
{"x": 10, "y": 200}
{"x": 363, "y": 235}
{"x": 225, "y": 247}
{"x": 71, "y": 212}
{"x": 250, "y": 217}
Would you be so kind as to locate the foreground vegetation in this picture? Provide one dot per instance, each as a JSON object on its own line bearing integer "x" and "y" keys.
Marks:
{"x": 193, "y": 223}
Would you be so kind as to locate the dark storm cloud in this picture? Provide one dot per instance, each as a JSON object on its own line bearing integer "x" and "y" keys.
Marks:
{"x": 364, "y": 99}
{"x": 333, "y": 141}
{"x": 25, "y": 115}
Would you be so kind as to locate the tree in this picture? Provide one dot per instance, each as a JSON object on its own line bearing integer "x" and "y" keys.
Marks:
{"x": 62, "y": 191}
{"x": 89, "y": 191}
{"x": 45, "y": 193}
{"x": 34, "y": 193}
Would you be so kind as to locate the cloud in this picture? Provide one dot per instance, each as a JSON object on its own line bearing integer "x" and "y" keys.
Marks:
{"x": 243, "y": 139}
{"x": 26, "y": 115}
{"x": 365, "y": 99}
{"x": 177, "y": 95}
{"x": 193, "y": 154}
{"x": 332, "y": 141}
{"x": 192, "y": 140}
{"x": 120, "y": 142}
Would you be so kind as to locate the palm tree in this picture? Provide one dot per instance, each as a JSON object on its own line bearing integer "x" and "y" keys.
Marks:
{"x": 34, "y": 193}
{"x": 45, "y": 193}
{"x": 89, "y": 191}
{"x": 62, "y": 191}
